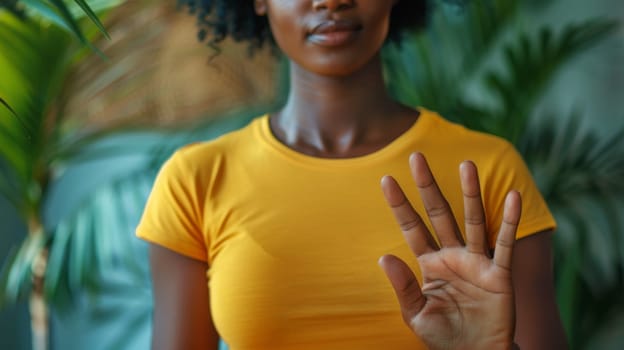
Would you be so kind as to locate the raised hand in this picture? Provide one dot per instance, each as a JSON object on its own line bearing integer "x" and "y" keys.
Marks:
{"x": 466, "y": 300}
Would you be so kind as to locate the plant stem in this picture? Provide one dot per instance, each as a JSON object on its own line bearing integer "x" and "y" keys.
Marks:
{"x": 39, "y": 320}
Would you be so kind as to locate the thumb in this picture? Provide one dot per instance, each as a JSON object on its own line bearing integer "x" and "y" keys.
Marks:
{"x": 406, "y": 287}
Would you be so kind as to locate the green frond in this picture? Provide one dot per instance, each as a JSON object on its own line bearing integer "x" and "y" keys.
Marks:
{"x": 581, "y": 174}
{"x": 97, "y": 237}
{"x": 432, "y": 68}
{"x": 90, "y": 13}
{"x": 437, "y": 68}
{"x": 96, "y": 233}
{"x": 33, "y": 58}
{"x": 568, "y": 159}
{"x": 16, "y": 275}
{"x": 59, "y": 13}
{"x": 531, "y": 63}
{"x": 9, "y": 188}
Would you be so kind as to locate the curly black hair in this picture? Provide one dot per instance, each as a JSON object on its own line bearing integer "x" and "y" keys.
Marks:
{"x": 237, "y": 19}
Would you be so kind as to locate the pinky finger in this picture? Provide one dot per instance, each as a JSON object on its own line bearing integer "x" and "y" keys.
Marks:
{"x": 503, "y": 253}
{"x": 405, "y": 285}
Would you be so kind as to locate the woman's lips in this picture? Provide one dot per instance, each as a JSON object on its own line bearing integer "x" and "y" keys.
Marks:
{"x": 334, "y": 33}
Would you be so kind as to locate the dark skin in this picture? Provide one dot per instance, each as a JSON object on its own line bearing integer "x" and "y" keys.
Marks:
{"x": 338, "y": 108}
{"x": 181, "y": 318}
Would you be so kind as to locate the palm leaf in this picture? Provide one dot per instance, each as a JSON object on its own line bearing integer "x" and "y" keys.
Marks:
{"x": 432, "y": 68}
{"x": 82, "y": 246}
{"x": 562, "y": 154}
{"x": 32, "y": 65}
{"x": 34, "y": 59}
{"x": 441, "y": 67}
{"x": 531, "y": 63}
{"x": 16, "y": 275}
{"x": 90, "y": 13}
{"x": 59, "y": 13}
{"x": 581, "y": 175}
{"x": 97, "y": 234}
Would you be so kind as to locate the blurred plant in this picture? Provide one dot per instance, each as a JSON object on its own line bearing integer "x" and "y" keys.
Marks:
{"x": 46, "y": 132}
{"x": 93, "y": 254}
{"x": 34, "y": 58}
{"x": 476, "y": 47}
{"x": 580, "y": 174}
{"x": 61, "y": 14}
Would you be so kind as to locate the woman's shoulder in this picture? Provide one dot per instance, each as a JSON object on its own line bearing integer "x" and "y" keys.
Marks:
{"x": 223, "y": 145}
{"x": 457, "y": 131}
{"x": 204, "y": 157}
{"x": 461, "y": 138}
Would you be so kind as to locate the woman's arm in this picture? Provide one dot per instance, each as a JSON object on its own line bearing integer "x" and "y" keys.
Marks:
{"x": 181, "y": 318}
{"x": 538, "y": 325}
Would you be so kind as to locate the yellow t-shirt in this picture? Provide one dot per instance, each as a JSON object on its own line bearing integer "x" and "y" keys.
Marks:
{"x": 292, "y": 241}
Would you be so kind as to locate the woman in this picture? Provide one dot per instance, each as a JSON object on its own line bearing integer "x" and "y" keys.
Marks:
{"x": 268, "y": 236}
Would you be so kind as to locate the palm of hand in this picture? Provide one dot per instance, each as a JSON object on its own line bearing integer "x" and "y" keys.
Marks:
{"x": 462, "y": 290}
{"x": 466, "y": 300}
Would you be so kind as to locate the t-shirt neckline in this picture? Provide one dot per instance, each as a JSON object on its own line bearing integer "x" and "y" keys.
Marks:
{"x": 264, "y": 132}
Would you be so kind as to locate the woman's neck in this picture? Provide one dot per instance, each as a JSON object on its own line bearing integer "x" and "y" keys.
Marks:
{"x": 340, "y": 116}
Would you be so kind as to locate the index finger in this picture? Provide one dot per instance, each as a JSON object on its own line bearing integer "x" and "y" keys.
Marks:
{"x": 438, "y": 209}
{"x": 414, "y": 229}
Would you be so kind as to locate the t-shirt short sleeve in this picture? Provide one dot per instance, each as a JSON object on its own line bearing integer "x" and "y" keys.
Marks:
{"x": 172, "y": 216}
{"x": 509, "y": 172}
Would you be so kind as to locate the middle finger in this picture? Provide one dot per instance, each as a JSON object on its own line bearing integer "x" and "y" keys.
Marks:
{"x": 437, "y": 207}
